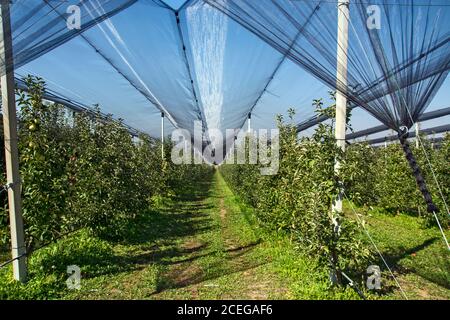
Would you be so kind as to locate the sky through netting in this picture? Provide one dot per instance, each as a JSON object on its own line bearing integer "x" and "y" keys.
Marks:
{"x": 216, "y": 61}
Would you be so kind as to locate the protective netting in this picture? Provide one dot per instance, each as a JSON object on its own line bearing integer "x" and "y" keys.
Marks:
{"x": 138, "y": 58}
{"x": 394, "y": 68}
{"x": 151, "y": 59}
{"x": 130, "y": 72}
{"x": 398, "y": 53}
{"x": 196, "y": 65}
{"x": 39, "y": 26}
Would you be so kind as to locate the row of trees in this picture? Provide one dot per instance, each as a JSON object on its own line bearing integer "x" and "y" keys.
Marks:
{"x": 381, "y": 177}
{"x": 83, "y": 170}
{"x": 299, "y": 198}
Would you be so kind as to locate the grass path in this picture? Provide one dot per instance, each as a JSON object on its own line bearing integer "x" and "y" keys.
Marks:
{"x": 418, "y": 255}
{"x": 208, "y": 250}
{"x": 203, "y": 243}
{"x": 225, "y": 260}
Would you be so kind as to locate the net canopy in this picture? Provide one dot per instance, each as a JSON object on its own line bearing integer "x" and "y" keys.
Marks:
{"x": 215, "y": 61}
{"x": 396, "y": 63}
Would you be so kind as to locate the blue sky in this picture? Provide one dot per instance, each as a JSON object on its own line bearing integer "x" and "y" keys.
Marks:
{"x": 175, "y": 3}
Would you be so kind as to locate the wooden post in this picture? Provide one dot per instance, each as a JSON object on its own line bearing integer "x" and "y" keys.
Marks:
{"x": 11, "y": 149}
{"x": 162, "y": 135}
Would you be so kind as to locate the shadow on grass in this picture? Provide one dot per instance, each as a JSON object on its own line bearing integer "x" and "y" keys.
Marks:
{"x": 169, "y": 257}
{"x": 395, "y": 255}
{"x": 401, "y": 252}
{"x": 191, "y": 274}
{"x": 155, "y": 233}
{"x": 153, "y": 240}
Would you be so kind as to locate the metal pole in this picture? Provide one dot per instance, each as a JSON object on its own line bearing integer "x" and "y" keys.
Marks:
{"x": 417, "y": 134}
{"x": 341, "y": 85}
{"x": 162, "y": 135}
{"x": 249, "y": 123}
{"x": 11, "y": 150}
{"x": 341, "y": 116}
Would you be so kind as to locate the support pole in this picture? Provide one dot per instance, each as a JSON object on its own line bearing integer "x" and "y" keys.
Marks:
{"x": 341, "y": 85}
{"x": 162, "y": 135}
{"x": 249, "y": 123}
{"x": 11, "y": 149}
{"x": 340, "y": 126}
{"x": 417, "y": 135}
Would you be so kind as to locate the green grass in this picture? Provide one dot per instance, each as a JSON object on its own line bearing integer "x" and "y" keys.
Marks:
{"x": 301, "y": 276}
{"x": 416, "y": 253}
{"x": 204, "y": 243}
